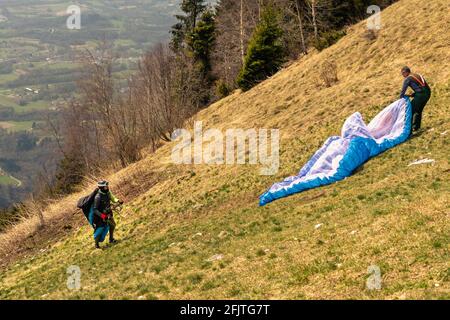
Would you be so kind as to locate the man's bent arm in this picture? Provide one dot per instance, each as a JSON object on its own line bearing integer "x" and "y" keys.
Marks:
{"x": 113, "y": 198}
{"x": 405, "y": 87}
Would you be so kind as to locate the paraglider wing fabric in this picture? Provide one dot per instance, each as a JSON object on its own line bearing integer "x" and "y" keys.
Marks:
{"x": 340, "y": 156}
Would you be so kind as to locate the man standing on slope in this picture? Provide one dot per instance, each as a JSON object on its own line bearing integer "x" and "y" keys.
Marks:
{"x": 101, "y": 215}
{"x": 421, "y": 95}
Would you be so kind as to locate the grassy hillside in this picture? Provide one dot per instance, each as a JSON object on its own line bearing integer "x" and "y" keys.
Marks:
{"x": 197, "y": 231}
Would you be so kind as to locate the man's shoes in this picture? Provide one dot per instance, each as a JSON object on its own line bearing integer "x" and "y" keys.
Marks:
{"x": 113, "y": 241}
{"x": 97, "y": 246}
{"x": 417, "y": 133}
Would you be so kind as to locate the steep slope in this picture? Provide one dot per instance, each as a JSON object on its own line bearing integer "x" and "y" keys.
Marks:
{"x": 197, "y": 231}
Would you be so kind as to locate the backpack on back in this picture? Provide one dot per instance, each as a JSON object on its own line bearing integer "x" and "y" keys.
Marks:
{"x": 419, "y": 79}
{"x": 86, "y": 202}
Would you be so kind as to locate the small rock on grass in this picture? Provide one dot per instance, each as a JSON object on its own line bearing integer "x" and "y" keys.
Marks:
{"x": 423, "y": 161}
{"x": 197, "y": 235}
{"x": 223, "y": 235}
{"x": 216, "y": 257}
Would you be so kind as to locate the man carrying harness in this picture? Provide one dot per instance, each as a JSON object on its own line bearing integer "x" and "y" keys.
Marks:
{"x": 101, "y": 215}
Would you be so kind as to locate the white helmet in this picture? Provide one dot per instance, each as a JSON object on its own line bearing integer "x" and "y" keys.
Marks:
{"x": 103, "y": 184}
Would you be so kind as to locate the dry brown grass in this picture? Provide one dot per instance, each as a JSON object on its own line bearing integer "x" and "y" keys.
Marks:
{"x": 328, "y": 73}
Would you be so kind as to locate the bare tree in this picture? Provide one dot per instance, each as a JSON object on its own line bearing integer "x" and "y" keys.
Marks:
{"x": 153, "y": 90}
{"x": 235, "y": 23}
{"x": 300, "y": 25}
{"x": 107, "y": 112}
{"x": 242, "y": 31}
{"x": 313, "y": 4}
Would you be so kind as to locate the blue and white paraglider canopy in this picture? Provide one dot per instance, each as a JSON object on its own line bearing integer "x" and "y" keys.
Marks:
{"x": 340, "y": 156}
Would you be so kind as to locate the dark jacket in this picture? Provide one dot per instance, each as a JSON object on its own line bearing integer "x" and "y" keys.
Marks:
{"x": 102, "y": 203}
{"x": 416, "y": 82}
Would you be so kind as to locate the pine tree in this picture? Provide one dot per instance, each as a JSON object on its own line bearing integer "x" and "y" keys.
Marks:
{"x": 265, "y": 53}
{"x": 187, "y": 22}
{"x": 201, "y": 42}
{"x": 177, "y": 37}
{"x": 69, "y": 174}
{"x": 193, "y": 9}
